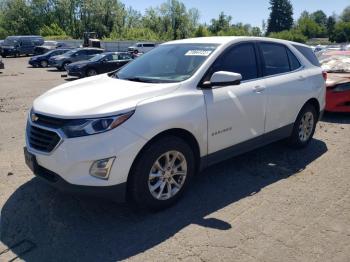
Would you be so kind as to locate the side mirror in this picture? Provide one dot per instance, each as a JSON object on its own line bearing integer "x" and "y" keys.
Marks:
{"x": 223, "y": 78}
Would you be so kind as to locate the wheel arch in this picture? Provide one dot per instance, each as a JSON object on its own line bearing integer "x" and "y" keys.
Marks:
{"x": 184, "y": 134}
{"x": 314, "y": 102}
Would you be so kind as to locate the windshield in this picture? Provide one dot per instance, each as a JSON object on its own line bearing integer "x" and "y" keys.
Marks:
{"x": 10, "y": 41}
{"x": 337, "y": 63}
{"x": 97, "y": 57}
{"x": 167, "y": 63}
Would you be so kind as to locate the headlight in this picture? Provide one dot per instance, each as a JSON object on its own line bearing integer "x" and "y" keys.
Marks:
{"x": 87, "y": 127}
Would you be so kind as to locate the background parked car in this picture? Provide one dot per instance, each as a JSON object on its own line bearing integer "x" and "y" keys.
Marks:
{"x": 47, "y": 46}
{"x": 141, "y": 48}
{"x": 2, "y": 66}
{"x": 337, "y": 65}
{"x": 43, "y": 60}
{"x": 20, "y": 45}
{"x": 102, "y": 63}
{"x": 75, "y": 55}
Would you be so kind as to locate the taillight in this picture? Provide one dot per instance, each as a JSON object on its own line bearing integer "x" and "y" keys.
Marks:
{"x": 325, "y": 75}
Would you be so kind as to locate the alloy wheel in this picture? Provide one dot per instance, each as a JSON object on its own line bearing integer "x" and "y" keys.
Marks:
{"x": 306, "y": 126}
{"x": 167, "y": 175}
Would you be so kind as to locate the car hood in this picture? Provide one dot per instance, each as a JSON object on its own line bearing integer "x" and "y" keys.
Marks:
{"x": 337, "y": 78}
{"x": 97, "y": 96}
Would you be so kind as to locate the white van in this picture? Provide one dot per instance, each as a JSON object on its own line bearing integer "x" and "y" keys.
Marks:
{"x": 141, "y": 48}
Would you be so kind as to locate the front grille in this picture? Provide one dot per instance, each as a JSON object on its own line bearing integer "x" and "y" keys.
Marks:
{"x": 51, "y": 122}
{"x": 42, "y": 139}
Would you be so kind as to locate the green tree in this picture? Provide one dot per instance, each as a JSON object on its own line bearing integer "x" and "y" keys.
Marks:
{"x": 220, "y": 24}
{"x": 342, "y": 32}
{"x": 331, "y": 22}
{"x": 320, "y": 18}
{"x": 345, "y": 16}
{"x": 291, "y": 35}
{"x": 201, "y": 31}
{"x": 281, "y": 16}
{"x": 308, "y": 27}
{"x": 52, "y": 30}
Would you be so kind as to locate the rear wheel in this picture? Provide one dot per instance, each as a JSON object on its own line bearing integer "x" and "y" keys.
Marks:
{"x": 304, "y": 127}
{"x": 44, "y": 63}
{"x": 161, "y": 174}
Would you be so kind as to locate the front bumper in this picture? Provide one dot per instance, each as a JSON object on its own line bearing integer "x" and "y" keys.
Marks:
{"x": 33, "y": 62}
{"x": 77, "y": 73}
{"x": 7, "y": 52}
{"x": 116, "y": 193}
{"x": 70, "y": 162}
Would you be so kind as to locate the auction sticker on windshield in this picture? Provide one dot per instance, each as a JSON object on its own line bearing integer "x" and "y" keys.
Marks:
{"x": 198, "y": 53}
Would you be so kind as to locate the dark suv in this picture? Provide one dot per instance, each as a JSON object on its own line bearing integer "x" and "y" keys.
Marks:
{"x": 75, "y": 55}
{"x": 20, "y": 45}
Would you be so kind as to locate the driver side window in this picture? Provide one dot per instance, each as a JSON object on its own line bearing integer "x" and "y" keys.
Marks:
{"x": 238, "y": 59}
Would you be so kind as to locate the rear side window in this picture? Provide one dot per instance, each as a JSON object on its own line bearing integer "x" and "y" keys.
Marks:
{"x": 148, "y": 45}
{"x": 239, "y": 59}
{"x": 309, "y": 55}
{"x": 293, "y": 61}
{"x": 275, "y": 58}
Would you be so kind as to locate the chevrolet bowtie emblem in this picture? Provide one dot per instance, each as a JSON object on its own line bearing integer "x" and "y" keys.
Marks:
{"x": 34, "y": 117}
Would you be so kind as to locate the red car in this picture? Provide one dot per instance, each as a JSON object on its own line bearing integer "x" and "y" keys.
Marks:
{"x": 337, "y": 65}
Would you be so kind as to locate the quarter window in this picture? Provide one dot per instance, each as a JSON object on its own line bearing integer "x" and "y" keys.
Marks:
{"x": 293, "y": 61}
{"x": 239, "y": 59}
{"x": 275, "y": 58}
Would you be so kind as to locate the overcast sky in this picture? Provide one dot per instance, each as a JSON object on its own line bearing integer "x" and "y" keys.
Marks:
{"x": 247, "y": 11}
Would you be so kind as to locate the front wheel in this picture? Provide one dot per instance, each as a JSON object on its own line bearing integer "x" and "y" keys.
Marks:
{"x": 304, "y": 127}
{"x": 91, "y": 72}
{"x": 64, "y": 66}
{"x": 44, "y": 63}
{"x": 161, "y": 174}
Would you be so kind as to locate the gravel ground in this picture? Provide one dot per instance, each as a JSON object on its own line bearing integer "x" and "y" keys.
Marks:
{"x": 273, "y": 204}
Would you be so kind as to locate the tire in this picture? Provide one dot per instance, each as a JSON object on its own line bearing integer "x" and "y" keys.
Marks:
{"x": 304, "y": 127}
{"x": 4, "y": 56}
{"x": 145, "y": 174}
{"x": 63, "y": 67}
{"x": 44, "y": 63}
{"x": 91, "y": 72}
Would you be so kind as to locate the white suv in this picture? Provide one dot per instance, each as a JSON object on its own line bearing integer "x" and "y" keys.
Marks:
{"x": 141, "y": 133}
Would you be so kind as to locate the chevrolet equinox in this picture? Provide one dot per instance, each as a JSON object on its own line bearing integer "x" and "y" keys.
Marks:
{"x": 142, "y": 132}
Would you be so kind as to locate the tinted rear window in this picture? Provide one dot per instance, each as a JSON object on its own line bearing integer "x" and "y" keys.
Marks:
{"x": 309, "y": 55}
{"x": 275, "y": 58}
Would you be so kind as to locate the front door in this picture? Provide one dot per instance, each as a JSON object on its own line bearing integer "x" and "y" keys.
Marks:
{"x": 236, "y": 113}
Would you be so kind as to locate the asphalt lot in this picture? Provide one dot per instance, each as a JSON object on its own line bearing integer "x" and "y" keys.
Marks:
{"x": 273, "y": 204}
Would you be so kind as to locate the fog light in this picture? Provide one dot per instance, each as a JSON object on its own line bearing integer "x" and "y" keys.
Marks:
{"x": 101, "y": 168}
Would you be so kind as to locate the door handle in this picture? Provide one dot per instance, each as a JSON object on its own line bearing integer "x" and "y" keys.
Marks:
{"x": 259, "y": 89}
{"x": 301, "y": 78}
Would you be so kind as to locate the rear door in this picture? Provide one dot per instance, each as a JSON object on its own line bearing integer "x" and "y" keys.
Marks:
{"x": 286, "y": 85}
{"x": 26, "y": 46}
